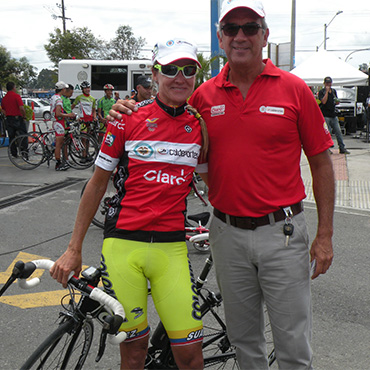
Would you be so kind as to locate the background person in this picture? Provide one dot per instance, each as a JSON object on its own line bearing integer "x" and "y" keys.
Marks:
{"x": 329, "y": 99}
{"x": 144, "y": 231}
{"x": 12, "y": 106}
{"x": 67, "y": 105}
{"x": 104, "y": 106}
{"x": 59, "y": 123}
{"x": 259, "y": 118}
{"x": 86, "y": 104}
{"x": 143, "y": 89}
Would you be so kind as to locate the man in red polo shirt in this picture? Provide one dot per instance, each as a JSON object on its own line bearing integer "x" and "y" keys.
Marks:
{"x": 15, "y": 114}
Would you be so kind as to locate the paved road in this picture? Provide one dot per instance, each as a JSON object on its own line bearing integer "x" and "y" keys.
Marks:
{"x": 41, "y": 222}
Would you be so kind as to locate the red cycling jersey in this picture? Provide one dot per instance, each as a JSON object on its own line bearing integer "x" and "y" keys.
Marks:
{"x": 155, "y": 151}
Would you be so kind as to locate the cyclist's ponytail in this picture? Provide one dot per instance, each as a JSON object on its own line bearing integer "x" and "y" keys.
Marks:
{"x": 203, "y": 126}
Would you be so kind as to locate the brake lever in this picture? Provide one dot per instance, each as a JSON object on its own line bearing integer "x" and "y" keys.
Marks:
{"x": 102, "y": 342}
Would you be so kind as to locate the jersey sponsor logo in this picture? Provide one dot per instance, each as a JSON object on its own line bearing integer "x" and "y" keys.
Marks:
{"x": 109, "y": 139}
{"x": 188, "y": 128}
{"x": 166, "y": 178}
{"x": 218, "y": 110}
{"x": 164, "y": 152}
{"x": 178, "y": 152}
{"x": 118, "y": 124}
{"x": 151, "y": 124}
{"x": 143, "y": 150}
{"x": 194, "y": 335}
{"x": 272, "y": 110}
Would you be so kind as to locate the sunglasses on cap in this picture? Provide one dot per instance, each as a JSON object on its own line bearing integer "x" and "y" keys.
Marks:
{"x": 172, "y": 70}
{"x": 249, "y": 29}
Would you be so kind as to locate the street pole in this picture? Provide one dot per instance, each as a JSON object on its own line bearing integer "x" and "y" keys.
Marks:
{"x": 327, "y": 25}
{"x": 292, "y": 35}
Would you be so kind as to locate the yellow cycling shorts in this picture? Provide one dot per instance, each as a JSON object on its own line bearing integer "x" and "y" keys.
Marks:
{"x": 127, "y": 266}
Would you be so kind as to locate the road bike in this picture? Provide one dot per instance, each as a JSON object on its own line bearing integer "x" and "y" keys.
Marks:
{"x": 30, "y": 152}
{"x": 69, "y": 345}
{"x": 79, "y": 149}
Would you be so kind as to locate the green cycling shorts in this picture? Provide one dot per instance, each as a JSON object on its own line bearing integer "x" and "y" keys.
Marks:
{"x": 127, "y": 266}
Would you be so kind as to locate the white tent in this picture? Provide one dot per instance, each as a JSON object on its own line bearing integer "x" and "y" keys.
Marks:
{"x": 321, "y": 64}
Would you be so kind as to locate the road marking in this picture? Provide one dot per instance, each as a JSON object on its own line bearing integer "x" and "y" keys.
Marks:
{"x": 31, "y": 300}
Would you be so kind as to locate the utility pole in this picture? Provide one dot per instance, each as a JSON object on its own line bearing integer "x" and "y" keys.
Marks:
{"x": 63, "y": 16}
{"x": 292, "y": 36}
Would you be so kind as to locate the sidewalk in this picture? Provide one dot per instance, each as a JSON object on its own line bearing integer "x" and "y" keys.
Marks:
{"x": 352, "y": 174}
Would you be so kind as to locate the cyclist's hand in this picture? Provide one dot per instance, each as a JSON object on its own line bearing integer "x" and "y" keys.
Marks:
{"x": 68, "y": 262}
{"x": 122, "y": 106}
{"x": 71, "y": 115}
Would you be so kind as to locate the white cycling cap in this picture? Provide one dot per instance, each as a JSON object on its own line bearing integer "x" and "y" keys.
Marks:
{"x": 229, "y": 5}
{"x": 174, "y": 49}
{"x": 61, "y": 85}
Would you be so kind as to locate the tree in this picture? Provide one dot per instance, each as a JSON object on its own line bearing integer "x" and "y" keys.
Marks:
{"x": 19, "y": 71}
{"x": 204, "y": 74}
{"x": 79, "y": 43}
{"x": 45, "y": 80}
{"x": 124, "y": 45}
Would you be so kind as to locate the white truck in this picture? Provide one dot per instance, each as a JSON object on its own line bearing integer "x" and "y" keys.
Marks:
{"x": 122, "y": 74}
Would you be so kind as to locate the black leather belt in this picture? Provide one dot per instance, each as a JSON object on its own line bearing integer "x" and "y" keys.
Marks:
{"x": 251, "y": 223}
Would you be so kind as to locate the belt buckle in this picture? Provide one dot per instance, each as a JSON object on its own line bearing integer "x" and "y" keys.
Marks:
{"x": 253, "y": 223}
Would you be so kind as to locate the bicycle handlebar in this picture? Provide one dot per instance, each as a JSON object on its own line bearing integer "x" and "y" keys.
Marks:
{"x": 94, "y": 293}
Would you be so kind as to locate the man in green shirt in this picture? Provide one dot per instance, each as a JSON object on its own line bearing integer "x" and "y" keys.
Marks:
{"x": 67, "y": 106}
{"x": 104, "y": 106}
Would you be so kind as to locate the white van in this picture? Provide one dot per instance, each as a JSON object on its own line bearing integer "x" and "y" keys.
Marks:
{"x": 122, "y": 74}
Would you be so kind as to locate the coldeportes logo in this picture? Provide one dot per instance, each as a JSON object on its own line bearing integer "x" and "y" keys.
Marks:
{"x": 143, "y": 150}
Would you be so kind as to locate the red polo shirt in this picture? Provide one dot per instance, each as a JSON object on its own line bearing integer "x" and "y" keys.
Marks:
{"x": 11, "y": 103}
{"x": 256, "y": 143}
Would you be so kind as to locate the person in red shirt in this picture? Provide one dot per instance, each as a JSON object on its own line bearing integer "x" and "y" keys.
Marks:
{"x": 15, "y": 113}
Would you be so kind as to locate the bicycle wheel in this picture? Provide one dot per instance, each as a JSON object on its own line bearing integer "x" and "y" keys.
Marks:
{"x": 26, "y": 152}
{"x": 99, "y": 218}
{"x": 66, "y": 348}
{"x": 81, "y": 150}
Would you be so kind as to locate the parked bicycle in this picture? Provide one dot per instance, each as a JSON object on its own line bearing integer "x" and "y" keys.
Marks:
{"x": 79, "y": 148}
{"x": 69, "y": 345}
{"x": 30, "y": 152}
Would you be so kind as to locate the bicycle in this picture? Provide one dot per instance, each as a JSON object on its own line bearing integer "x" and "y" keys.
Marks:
{"x": 79, "y": 149}
{"x": 218, "y": 352}
{"x": 69, "y": 345}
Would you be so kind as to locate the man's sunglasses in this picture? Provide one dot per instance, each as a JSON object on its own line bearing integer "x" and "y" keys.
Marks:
{"x": 249, "y": 29}
{"x": 172, "y": 70}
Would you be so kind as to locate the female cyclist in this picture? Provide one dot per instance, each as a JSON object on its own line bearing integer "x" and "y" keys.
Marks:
{"x": 155, "y": 153}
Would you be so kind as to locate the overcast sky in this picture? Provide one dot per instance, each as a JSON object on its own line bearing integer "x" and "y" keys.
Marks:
{"x": 25, "y": 24}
